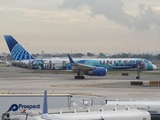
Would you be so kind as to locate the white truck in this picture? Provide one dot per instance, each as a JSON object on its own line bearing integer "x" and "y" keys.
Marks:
{"x": 16, "y": 102}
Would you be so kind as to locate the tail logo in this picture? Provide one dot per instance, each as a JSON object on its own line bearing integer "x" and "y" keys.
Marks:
{"x": 17, "y": 51}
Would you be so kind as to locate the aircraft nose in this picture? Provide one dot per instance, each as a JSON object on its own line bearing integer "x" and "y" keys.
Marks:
{"x": 154, "y": 67}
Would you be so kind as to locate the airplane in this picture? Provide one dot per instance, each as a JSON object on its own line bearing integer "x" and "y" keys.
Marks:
{"x": 94, "y": 115}
{"x": 99, "y": 67}
{"x": 123, "y": 113}
{"x": 2, "y": 62}
{"x": 80, "y": 66}
{"x": 152, "y": 106}
{"x": 7, "y": 64}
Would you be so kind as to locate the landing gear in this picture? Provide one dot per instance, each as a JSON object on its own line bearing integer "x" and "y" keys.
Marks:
{"x": 79, "y": 77}
{"x": 138, "y": 75}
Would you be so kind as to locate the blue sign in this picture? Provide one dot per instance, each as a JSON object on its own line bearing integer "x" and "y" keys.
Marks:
{"x": 15, "y": 107}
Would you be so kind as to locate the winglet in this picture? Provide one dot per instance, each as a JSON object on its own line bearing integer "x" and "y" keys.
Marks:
{"x": 45, "y": 105}
{"x": 70, "y": 59}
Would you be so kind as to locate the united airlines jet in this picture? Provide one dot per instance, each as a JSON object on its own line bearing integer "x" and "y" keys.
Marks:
{"x": 81, "y": 66}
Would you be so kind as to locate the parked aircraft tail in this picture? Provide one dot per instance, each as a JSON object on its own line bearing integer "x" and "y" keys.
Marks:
{"x": 17, "y": 51}
{"x": 45, "y": 109}
{"x": 45, "y": 104}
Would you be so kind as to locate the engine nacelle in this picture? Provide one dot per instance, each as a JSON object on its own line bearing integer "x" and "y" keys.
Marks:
{"x": 98, "y": 71}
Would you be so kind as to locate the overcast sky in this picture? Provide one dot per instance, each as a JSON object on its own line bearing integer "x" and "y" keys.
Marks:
{"x": 55, "y": 26}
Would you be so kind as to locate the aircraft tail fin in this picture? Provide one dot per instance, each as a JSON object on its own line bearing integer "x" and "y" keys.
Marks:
{"x": 17, "y": 51}
{"x": 45, "y": 110}
{"x": 45, "y": 104}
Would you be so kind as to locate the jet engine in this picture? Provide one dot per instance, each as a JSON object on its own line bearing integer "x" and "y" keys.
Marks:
{"x": 98, "y": 71}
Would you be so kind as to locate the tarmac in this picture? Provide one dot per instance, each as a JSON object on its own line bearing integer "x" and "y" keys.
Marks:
{"x": 19, "y": 80}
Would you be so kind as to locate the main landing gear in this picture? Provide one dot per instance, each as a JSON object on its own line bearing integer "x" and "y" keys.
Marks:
{"x": 79, "y": 76}
{"x": 138, "y": 75}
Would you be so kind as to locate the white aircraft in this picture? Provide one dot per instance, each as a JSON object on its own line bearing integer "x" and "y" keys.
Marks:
{"x": 2, "y": 62}
{"x": 87, "y": 114}
{"x": 7, "y": 64}
{"x": 152, "y": 106}
{"x": 81, "y": 66}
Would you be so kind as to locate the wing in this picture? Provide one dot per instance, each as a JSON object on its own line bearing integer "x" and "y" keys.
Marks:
{"x": 78, "y": 66}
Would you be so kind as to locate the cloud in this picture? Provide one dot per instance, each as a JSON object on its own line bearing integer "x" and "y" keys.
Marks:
{"x": 49, "y": 16}
{"x": 44, "y": 15}
{"x": 141, "y": 7}
{"x": 113, "y": 10}
{"x": 32, "y": 4}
